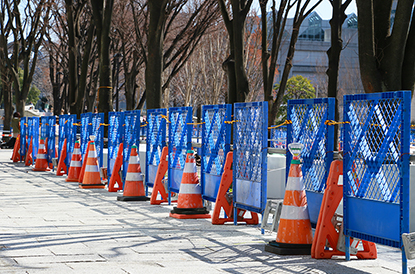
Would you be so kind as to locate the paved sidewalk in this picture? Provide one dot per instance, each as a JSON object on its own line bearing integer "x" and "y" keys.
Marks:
{"x": 51, "y": 226}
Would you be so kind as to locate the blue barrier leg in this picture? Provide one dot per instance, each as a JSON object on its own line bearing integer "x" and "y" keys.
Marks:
{"x": 235, "y": 216}
{"x": 169, "y": 199}
{"x": 347, "y": 244}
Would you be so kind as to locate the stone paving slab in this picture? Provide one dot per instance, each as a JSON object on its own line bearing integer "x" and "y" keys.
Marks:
{"x": 52, "y": 226}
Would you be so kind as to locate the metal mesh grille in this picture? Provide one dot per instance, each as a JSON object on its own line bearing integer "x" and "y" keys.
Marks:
{"x": 374, "y": 140}
{"x": 23, "y": 133}
{"x": 214, "y": 140}
{"x": 131, "y": 135}
{"x": 248, "y": 136}
{"x": 278, "y": 137}
{"x": 308, "y": 128}
{"x": 114, "y": 138}
{"x": 178, "y": 136}
{"x": 156, "y": 135}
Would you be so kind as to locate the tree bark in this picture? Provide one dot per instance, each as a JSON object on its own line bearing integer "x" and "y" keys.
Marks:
{"x": 154, "y": 68}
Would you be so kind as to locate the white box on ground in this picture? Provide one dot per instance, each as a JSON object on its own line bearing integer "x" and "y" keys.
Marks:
{"x": 276, "y": 176}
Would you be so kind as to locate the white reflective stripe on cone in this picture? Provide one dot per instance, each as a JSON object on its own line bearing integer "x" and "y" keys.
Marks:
{"x": 41, "y": 156}
{"x": 133, "y": 176}
{"x": 92, "y": 154}
{"x": 76, "y": 151}
{"x": 189, "y": 168}
{"x": 133, "y": 160}
{"x": 76, "y": 164}
{"x": 91, "y": 168}
{"x": 294, "y": 212}
{"x": 42, "y": 146}
{"x": 294, "y": 183}
{"x": 190, "y": 189}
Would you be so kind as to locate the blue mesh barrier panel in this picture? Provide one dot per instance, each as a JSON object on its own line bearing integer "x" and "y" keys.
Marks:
{"x": 86, "y": 131}
{"x": 33, "y": 129}
{"x": 180, "y": 140}
{"x": 70, "y": 133}
{"x": 308, "y": 117}
{"x": 23, "y": 136}
{"x": 115, "y": 137}
{"x": 250, "y": 139}
{"x": 216, "y": 139}
{"x": 61, "y": 130}
{"x": 97, "y": 130}
{"x": 278, "y": 137}
{"x": 131, "y": 135}
{"x": 47, "y": 130}
{"x": 51, "y": 120}
{"x": 156, "y": 140}
{"x": 376, "y": 166}
{"x": 412, "y": 138}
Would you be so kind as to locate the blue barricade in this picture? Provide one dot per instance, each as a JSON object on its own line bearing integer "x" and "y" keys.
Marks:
{"x": 23, "y": 137}
{"x": 250, "y": 139}
{"x": 180, "y": 140}
{"x": 216, "y": 139}
{"x": 376, "y": 167}
{"x": 308, "y": 117}
{"x": 115, "y": 137}
{"x": 70, "y": 135}
{"x": 33, "y": 134}
{"x": 131, "y": 135}
{"x": 47, "y": 133}
{"x": 62, "y": 121}
{"x": 155, "y": 141}
{"x": 92, "y": 124}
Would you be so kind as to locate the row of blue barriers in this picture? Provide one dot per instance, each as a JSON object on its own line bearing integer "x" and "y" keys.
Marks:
{"x": 375, "y": 139}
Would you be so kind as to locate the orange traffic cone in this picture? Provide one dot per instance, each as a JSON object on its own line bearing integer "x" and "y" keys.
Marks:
{"x": 62, "y": 168}
{"x": 115, "y": 183}
{"x": 16, "y": 155}
{"x": 294, "y": 236}
{"x": 76, "y": 164}
{"x": 41, "y": 161}
{"x": 91, "y": 178}
{"x": 133, "y": 187}
{"x": 28, "y": 158}
{"x": 190, "y": 203}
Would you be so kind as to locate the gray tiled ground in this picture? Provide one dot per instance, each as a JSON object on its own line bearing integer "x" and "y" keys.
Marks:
{"x": 51, "y": 226}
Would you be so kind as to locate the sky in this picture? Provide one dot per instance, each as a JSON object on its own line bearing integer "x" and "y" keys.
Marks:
{"x": 324, "y": 9}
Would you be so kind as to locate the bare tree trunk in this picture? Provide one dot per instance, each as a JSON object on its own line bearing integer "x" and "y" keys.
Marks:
{"x": 154, "y": 67}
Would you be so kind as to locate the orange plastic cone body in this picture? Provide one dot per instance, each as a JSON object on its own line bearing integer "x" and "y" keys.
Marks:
{"x": 295, "y": 227}
{"x": 81, "y": 176}
{"x": 41, "y": 161}
{"x": 76, "y": 164}
{"x": 92, "y": 178}
{"x": 222, "y": 202}
{"x": 190, "y": 203}
{"x": 133, "y": 187}
{"x": 115, "y": 175}
{"x": 28, "y": 158}
{"x": 325, "y": 230}
{"x": 294, "y": 236}
{"x": 16, "y": 155}
{"x": 158, "y": 186}
{"x": 62, "y": 168}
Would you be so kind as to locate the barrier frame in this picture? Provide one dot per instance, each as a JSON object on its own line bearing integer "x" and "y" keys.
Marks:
{"x": 367, "y": 167}
{"x": 216, "y": 139}
{"x": 180, "y": 140}
{"x": 33, "y": 131}
{"x": 155, "y": 141}
{"x": 131, "y": 136}
{"x": 115, "y": 137}
{"x": 308, "y": 117}
{"x": 245, "y": 147}
{"x": 23, "y": 137}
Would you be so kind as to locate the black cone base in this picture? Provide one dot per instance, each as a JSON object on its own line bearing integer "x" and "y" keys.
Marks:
{"x": 132, "y": 198}
{"x": 288, "y": 249}
{"x": 189, "y": 211}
